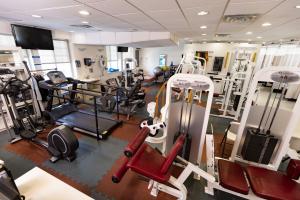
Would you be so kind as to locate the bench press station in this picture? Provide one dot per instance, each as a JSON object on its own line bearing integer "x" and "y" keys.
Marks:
{"x": 146, "y": 161}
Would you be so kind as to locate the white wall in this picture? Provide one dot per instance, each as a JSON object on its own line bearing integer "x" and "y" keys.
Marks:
{"x": 149, "y": 57}
{"x": 88, "y": 51}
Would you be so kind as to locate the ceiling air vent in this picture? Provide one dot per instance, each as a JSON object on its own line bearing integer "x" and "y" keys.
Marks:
{"x": 240, "y": 19}
{"x": 81, "y": 26}
{"x": 222, "y": 35}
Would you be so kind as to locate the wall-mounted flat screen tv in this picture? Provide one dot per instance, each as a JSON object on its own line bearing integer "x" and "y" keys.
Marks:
{"x": 122, "y": 49}
{"x": 218, "y": 63}
{"x": 32, "y": 38}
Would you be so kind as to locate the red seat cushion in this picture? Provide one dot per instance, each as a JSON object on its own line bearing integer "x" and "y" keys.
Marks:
{"x": 232, "y": 177}
{"x": 272, "y": 185}
{"x": 148, "y": 162}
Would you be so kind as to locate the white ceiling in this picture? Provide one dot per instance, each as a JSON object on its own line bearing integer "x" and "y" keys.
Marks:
{"x": 176, "y": 16}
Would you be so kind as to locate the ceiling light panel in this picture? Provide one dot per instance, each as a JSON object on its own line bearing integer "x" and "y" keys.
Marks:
{"x": 84, "y": 12}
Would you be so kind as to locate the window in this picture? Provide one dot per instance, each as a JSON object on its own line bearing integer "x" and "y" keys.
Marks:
{"x": 59, "y": 58}
{"x": 7, "y": 41}
{"x": 115, "y": 59}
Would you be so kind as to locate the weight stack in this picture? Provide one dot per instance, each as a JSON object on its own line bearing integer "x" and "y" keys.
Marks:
{"x": 258, "y": 147}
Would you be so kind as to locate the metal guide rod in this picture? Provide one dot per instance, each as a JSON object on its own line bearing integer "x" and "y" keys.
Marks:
{"x": 181, "y": 112}
{"x": 265, "y": 109}
{"x": 277, "y": 107}
{"x": 269, "y": 114}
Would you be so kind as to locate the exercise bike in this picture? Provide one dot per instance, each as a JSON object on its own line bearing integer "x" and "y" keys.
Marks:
{"x": 61, "y": 142}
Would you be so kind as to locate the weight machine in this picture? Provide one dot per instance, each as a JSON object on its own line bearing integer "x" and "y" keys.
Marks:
{"x": 187, "y": 124}
{"x": 235, "y": 92}
{"x": 261, "y": 143}
{"x": 230, "y": 177}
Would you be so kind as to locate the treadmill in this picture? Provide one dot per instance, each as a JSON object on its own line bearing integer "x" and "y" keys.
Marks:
{"x": 68, "y": 113}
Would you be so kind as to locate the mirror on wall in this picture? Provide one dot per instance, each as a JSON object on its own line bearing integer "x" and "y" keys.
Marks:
{"x": 162, "y": 60}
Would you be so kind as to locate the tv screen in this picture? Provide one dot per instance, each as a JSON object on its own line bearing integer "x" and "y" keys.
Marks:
{"x": 122, "y": 49}
{"x": 32, "y": 38}
{"x": 218, "y": 63}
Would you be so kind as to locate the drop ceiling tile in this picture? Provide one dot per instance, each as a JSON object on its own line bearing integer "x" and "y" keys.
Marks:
{"x": 201, "y": 4}
{"x": 31, "y": 5}
{"x": 250, "y": 7}
{"x": 114, "y": 7}
{"x": 134, "y": 17}
{"x": 154, "y": 5}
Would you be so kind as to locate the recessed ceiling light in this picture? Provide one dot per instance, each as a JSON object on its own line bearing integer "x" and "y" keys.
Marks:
{"x": 203, "y": 34}
{"x": 84, "y": 12}
{"x": 84, "y": 22}
{"x": 71, "y": 31}
{"x": 297, "y": 6}
{"x": 36, "y": 16}
{"x": 249, "y": 33}
{"x": 203, "y": 27}
{"x": 266, "y": 24}
{"x": 259, "y": 37}
{"x": 203, "y": 12}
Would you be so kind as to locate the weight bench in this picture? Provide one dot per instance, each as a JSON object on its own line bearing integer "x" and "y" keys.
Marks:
{"x": 148, "y": 162}
{"x": 264, "y": 183}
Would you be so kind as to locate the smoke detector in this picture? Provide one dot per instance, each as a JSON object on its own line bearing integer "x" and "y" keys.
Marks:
{"x": 240, "y": 19}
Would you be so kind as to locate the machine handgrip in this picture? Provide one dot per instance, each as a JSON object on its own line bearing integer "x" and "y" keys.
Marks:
{"x": 116, "y": 178}
{"x": 137, "y": 142}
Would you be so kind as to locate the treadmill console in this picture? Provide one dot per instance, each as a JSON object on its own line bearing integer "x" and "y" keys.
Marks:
{"x": 57, "y": 77}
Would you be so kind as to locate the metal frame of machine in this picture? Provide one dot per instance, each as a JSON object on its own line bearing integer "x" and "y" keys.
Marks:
{"x": 281, "y": 150}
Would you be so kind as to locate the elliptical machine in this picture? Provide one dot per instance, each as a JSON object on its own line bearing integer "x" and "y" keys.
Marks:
{"x": 61, "y": 141}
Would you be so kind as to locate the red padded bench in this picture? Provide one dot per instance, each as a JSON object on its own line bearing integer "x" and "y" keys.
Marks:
{"x": 149, "y": 163}
{"x": 275, "y": 185}
{"x": 231, "y": 177}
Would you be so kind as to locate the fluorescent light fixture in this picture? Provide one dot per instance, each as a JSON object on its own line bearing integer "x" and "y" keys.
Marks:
{"x": 266, "y": 24}
{"x": 203, "y": 27}
{"x": 36, "y": 16}
{"x": 259, "y": 37}
{"x": 203, "y": 34}
{"x": 203, "y": 12}
{"x": 84, "y": 22}
{"x": 249, "y": 33}
{"x": 84, "y": 12}
{"x": 297, "y": 6}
